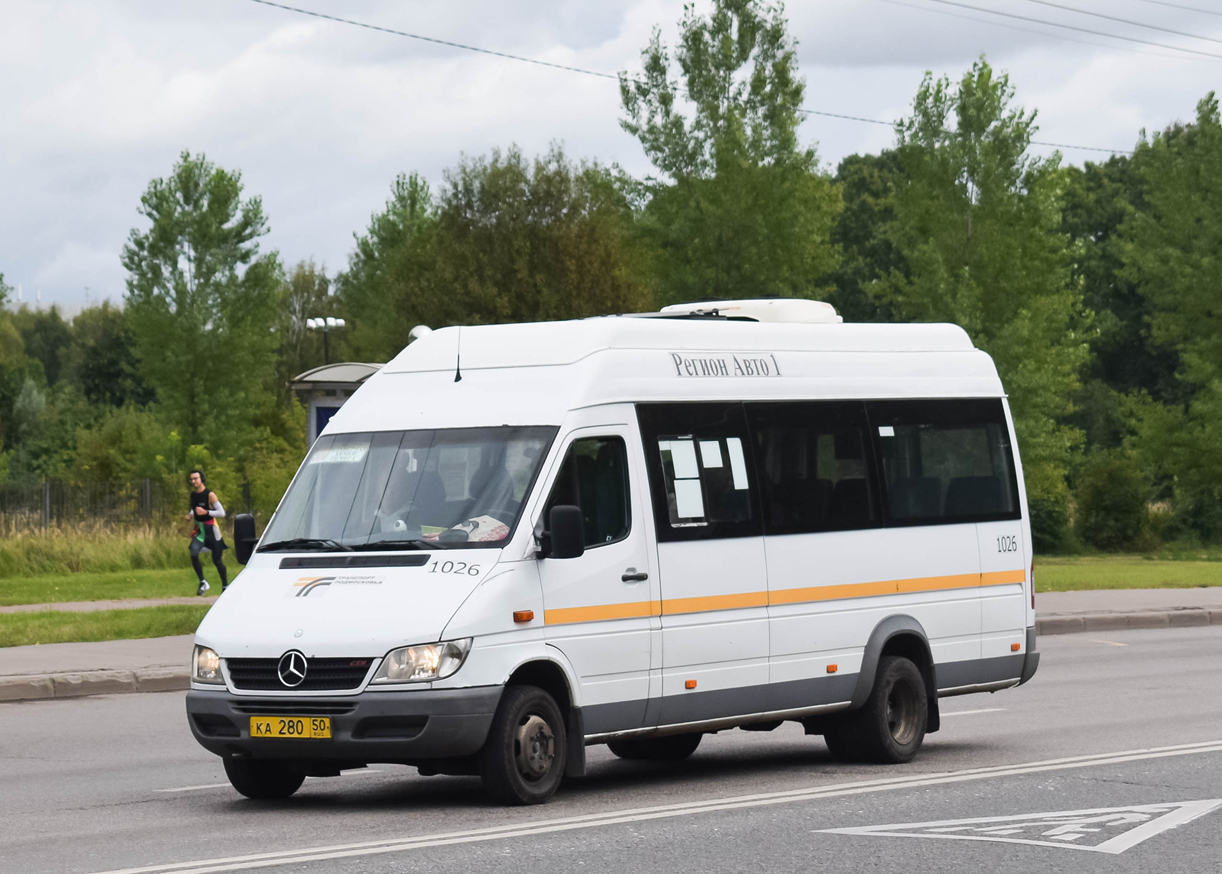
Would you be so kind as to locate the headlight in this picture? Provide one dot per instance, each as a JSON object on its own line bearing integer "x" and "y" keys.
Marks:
{"x": 206, "y": 666}
{"x": 427, "y": 661}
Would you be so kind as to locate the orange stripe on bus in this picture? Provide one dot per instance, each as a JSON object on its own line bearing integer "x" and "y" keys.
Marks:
{"x": 710, "y": 603}
{"x": 630, "y": 610}
{"x": 714, "y": 602}
{"x": 1001, "y": 578}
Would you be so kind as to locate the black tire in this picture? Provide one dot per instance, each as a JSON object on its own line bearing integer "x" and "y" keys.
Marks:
{"x": 890, "y": 727}
{"x": 523, "y": 759}
{"x": 671, "y": 748}
{"x": 263, "y": 779}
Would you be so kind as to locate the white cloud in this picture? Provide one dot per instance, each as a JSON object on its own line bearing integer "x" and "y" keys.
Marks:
{"x": 101, "y": 96}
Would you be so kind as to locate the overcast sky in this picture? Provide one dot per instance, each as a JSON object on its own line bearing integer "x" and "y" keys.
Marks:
{"x": 97, "y": 97}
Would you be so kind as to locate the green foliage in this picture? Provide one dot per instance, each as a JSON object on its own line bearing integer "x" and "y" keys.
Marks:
{"x": 80, "y": 550}
{"x": 54, "y": 626}
{"x": 868, "y": 254}
{"x": 517, "y": 241}
{"x": 375, "y": 332}
{"x": 304, "y": 295}
{"x": 102, "y": 358}
{"x": 1050, "y": 532}
{"x": 1170, "y": 254}
{"x": 742, "y": 209}
{"x": 1113, "y": 495}
{"x": 46, "y": 337}
{"x": 201, "y": 300}
{"x": 976, "y": 222}
{"x": 126, "y": 445}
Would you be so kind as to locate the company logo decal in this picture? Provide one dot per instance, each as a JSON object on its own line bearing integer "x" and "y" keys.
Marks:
{"x": 725, "y": 365}
{"x": 317, "y": 586}
{"x": 292, "y": 668}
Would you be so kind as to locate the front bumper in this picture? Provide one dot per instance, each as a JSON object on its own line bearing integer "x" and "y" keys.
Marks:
{"x": 406, "y": 727}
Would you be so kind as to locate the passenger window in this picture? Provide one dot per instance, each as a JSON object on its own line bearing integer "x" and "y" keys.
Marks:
{"x": 594, "y": 477}
{"x": 815, "y": 466}
{"x": 946, "y": 461}
{"x": 700, "y": 473}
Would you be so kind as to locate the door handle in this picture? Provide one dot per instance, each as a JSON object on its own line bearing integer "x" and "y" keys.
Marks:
{"x": 631, "y": 575}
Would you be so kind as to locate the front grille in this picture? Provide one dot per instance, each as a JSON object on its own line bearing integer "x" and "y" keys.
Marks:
{"x": 291, "y": 707}
{"x": 321, "y": 674}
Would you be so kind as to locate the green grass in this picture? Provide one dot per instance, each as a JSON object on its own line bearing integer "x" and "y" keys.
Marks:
{"x": 115, "y": 585}
{"x": 83, "y": 550}
{"x": 1124, "y": 572}
{"x": 52, "y": 626}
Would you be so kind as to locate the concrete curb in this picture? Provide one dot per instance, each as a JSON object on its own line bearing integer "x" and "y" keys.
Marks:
{"x": 1078, "y": 623}
{"x": 75, "y": 684}
{"x": 80, "y": 683}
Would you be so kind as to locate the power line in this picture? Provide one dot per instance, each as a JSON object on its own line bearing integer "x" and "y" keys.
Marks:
{"x": 1020, "y": 29}
{"x": 1124, "y": 20}
{"x": 1185, "y": 8}
{"x": 584, "y": 71}
{"x": 1078, "y": 29}
{"x": 441, "y": 42}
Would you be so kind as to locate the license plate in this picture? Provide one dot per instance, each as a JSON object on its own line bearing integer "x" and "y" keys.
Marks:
{"x": 291, "y": 727}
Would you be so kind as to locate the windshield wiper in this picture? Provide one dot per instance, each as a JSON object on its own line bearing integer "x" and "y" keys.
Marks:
{"x": 399, "y": 544}
{"x": 305, "y": 542}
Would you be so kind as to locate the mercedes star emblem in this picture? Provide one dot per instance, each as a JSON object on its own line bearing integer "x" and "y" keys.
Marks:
{"x": 292, "y": 668}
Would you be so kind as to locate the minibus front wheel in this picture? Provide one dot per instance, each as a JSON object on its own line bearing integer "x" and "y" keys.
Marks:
{"x": 524, "y": 757}
{"x": 263, "y": 779}
{"x": 890, "y": 726}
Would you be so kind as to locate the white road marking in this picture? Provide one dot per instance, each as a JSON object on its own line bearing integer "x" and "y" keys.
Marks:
{"x": 618, "y": 817}
{"x": 973, "y": 712}
{"x": 1120, "y": 827}
{"x": 354, "y": 772}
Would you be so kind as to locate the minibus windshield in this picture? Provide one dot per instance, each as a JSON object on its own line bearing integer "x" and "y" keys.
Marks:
{"x": 409, "y": 489}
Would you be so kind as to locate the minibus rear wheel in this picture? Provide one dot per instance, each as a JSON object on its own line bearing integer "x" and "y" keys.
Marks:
{"x": 263, "y": 779}
{"x": 523, "y": 758}
{"x": 671, "y": 748}
{"x": 890, "y": 726}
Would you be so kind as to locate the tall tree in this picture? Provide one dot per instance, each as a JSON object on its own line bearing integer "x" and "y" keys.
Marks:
{"x": 1171, "y": 255}
{"x": 102, "y": 358}
{"x": 304, "y": 294}
{"x": 521, "y": 241}
{"x": 977, "y": 222}
{"x": 201, "y": 300}
{"x": 740, "y": 208}
{"x": 47, "y": 338}
{"x": 364, "y": 290}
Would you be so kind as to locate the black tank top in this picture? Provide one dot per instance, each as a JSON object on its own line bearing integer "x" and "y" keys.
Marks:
{"x": 200, "y": 499}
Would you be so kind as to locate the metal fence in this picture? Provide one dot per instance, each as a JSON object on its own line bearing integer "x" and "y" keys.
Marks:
{"x": 55, "y": 504}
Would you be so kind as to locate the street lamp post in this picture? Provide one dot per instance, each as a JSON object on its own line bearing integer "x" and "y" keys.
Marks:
{"x": 326, "y": 325}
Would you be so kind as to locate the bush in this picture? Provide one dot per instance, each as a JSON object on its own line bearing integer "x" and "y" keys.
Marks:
{"x": 1049, "y": 524}
{"x": 1113, "y": 496}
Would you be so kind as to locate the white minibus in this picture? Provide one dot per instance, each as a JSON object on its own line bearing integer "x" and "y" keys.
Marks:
{"x": 515, "y": 541}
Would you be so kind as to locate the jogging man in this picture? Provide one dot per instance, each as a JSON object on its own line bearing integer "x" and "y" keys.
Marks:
{"x": 205, "y": 510}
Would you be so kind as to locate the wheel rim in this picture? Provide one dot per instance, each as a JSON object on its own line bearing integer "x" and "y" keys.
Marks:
{"x": 534, "y": 746}
{"x": 902, "y": 712}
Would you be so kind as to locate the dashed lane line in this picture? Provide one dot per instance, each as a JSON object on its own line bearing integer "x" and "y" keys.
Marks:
{"x": 551, "y": 826}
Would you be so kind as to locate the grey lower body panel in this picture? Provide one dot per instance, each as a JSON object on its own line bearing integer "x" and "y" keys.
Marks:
{"x": 719, "y": 704}
{"x": 407, "y": 727}
{"x": 979, "y": 675}
{"x": 1032, "y": 662}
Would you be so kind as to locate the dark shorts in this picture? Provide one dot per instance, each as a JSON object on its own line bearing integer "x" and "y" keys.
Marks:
{"x": 211, "y": 542}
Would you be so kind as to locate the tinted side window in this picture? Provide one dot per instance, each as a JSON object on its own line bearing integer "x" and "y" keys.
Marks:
{"x": 700, "y": 470}
{"x": 594, "y": 477}
{"x": 945, "y": 461}
{"x": 815, "y": 466}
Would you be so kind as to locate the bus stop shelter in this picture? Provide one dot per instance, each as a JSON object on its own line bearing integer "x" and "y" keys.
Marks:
{"x": 325, "y": 389}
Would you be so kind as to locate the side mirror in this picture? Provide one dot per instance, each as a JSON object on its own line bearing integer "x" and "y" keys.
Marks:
{"x": 568, "y": 532}
{"x": 244, "y": 537}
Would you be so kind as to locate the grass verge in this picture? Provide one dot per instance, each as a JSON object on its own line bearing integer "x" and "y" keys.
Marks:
{"x": 116, "y": 585}
{"x": 1123, "y": 572}
{"x": 53, "y": 626}
{"x": 79, "y": 549}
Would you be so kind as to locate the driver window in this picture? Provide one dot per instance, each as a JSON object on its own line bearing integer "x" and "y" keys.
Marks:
{"x": 594, "y": 477}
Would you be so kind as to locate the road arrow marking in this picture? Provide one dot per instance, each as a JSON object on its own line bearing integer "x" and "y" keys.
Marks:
{"x": 1103, "y": 830}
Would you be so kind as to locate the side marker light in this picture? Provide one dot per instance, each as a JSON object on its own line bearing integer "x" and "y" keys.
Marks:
{"x": 831, "y": 669}
{"x": 523, "y": 615}
{"x": 689, "y": 684}
{"x": 1015, "y": 647}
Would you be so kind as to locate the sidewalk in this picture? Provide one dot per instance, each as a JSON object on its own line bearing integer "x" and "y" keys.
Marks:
{"x": 66, "y": 670}
{"x": 125, "y": 604}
